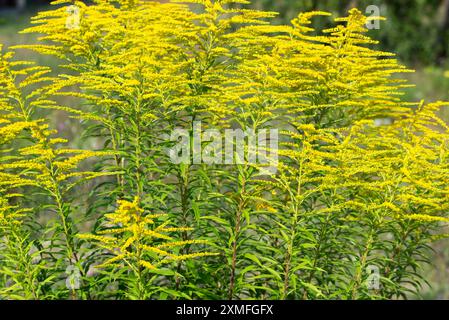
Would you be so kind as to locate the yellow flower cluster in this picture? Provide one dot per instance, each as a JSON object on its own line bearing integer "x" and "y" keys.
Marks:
{"x": 142, "y": 68}
{"x": 134, "y": 238}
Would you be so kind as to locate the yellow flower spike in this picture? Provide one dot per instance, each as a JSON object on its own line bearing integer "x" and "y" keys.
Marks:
{"x": 136, "y": 237}
{"x": 147, "y": 265}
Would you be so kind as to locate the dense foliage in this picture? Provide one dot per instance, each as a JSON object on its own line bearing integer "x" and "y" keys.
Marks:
{"x": 361, "y": 181}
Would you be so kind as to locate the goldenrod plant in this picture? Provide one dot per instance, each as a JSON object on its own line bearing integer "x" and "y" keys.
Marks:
{"x": 32, "y": 160}
{"x": 300, "y": 171}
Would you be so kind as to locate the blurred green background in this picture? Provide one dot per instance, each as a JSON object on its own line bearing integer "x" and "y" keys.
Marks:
{"x": 416, "y": 30}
